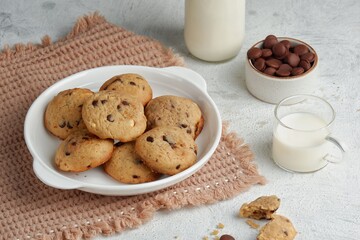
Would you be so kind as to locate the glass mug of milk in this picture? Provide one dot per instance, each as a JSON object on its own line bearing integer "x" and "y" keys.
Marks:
{"x": 214, "y": 29}
{"x": 301, "y": 138}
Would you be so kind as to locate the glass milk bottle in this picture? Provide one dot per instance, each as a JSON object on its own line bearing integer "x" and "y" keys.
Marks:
{"x": 214, "y": 29}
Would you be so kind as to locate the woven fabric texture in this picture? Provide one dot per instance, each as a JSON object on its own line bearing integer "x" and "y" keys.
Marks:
{"x": 31, "y": 210}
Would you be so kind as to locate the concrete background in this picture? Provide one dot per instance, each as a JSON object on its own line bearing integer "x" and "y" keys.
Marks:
{"x": 322, "y": 205}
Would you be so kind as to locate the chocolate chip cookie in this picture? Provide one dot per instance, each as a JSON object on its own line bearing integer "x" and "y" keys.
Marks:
{"x": 261, "y": 208}
{"x": 126, "y": 166}
{"x": 109, "y": 114}
{"x": 166, "y": 150}
{"x": 175, "y": 111}
{"x": 63, "y": 113}
{"x": 279, "y": 228}
{"x": 130, "y": 83}
{"x": 82, "y": 151}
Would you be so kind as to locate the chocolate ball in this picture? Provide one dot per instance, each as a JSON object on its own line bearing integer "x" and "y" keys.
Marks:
{"x": 270, "y": 71}
{"x": 226, "y": 237}
{"x": 279, "y": 50}
{"x": 305, "y": 64}
{"x": 308, "y": 56}
{"x": 286, "y": 43}
{"x": 297, "y": 71}
{"x": 266, "y": 53}
{"x": 292, "y": 59}
{"x": 259, "y": 64}
{"x": 284, "y": 70}
{"x": 274, "y": 63}
{"x": 270, "y": 41}
{"x": 301, "y": 49}
{"x": 254, "y": 53}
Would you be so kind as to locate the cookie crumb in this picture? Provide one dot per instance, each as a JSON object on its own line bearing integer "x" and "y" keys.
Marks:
{"x": 205, "y": 238}
{"x": 252, "y": 224}
{"x": 215, "y": 232}
{"x": 220, "y": 226}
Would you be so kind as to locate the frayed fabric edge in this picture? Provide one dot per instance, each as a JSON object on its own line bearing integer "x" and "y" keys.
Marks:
{"x": 82, "y": 25}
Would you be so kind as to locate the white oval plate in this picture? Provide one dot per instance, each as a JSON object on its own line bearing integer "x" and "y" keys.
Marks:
{"x": 177, "y": 81}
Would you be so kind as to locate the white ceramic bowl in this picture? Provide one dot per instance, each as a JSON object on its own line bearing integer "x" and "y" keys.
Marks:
{"x": 172, "y": 81}
{"x": 273, "y": 89}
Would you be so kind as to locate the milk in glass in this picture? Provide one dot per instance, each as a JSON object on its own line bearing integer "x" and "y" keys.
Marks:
{"x": 299, "y": 144}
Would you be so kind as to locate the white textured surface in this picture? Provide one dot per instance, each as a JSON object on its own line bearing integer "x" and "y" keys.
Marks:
{"x": 322, "y": 205}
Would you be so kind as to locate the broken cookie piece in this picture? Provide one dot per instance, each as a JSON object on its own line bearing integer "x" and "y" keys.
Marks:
{"x": 261, "y": 208}
{"x": 279, "y": 228}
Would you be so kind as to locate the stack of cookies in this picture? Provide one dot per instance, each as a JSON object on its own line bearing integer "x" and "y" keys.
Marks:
{"x": 135, "y": 137}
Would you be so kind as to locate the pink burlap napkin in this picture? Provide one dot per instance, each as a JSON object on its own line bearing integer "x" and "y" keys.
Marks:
{"x": 31, "y": 210}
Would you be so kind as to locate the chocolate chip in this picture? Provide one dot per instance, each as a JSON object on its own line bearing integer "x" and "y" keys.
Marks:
{"x": 266, "y": 53}
{"x": 95, "y": 103}
{"x": 136, "y": 176}
{"x": 183, "y": 125}
{"x": 279, "y": 50}
{"x": 292, "y": 59}
{"x": 126, "y": 103}
{"x": 254, "y": 53}
{"x": 188, "y": 131}
{"x": 259, "y": 64}
{"x": 132, "y": 83}
{"x": 138, "y": 161}
{"x": 172, "y": 145}
{"x": 301, "y": 49}
{"x": 274, "y": 63}
{"x": 305, "y": 64}
{"x": 62, "y": 125}
{"x": 67, "y": 153}
{"x": 270, "y": 71}
{"x": 68, "y": 124}
{"x": 80, "y": 106}
{"x": 118, "y": 144}
{"x": 270, "y": 41}
{"x": 226, "y": 237}
{"x": 297, "y": 71}
{"x": 110, "y": 118}
{"x": 88, "y": 166}
{"x": 178, "y": 166}
{"x": 103, "y": 101}
{"x": 286, "y": 233}
{"x": 118, "y": 107}
{"x": 150, "y": 139}
{"x": 73, "y": 143}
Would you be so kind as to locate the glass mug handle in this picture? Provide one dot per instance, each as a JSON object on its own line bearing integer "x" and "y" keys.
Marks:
{"x": 342, "y": 146}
